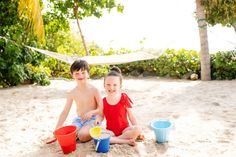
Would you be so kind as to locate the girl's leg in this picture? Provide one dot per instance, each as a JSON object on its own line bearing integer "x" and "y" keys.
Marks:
{"x": 118, "y": 140}
{"x": 132, "y": 132}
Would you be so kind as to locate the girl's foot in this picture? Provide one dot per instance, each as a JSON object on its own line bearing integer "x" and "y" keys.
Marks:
{"x": 140, "y": 138}
{"x": 131, "y": 142}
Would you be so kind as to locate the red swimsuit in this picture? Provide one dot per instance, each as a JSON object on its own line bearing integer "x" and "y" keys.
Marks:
{"x": 116, "y": 115}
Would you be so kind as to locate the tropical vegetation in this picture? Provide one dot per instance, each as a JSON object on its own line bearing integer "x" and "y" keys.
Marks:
{"x": 20, "y": 65}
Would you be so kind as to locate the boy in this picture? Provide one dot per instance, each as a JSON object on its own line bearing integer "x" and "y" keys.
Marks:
{"x": 88, "y": 101}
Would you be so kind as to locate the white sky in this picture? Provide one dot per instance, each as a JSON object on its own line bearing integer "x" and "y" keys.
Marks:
{"x": 159, "y": 23}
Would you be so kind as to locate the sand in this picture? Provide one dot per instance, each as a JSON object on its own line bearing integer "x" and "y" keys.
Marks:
{"x": 203, "y": 114}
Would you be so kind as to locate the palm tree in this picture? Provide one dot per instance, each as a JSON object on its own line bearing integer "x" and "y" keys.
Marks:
{"x": 31, "y": 9}
{"x": 204, "y": 52}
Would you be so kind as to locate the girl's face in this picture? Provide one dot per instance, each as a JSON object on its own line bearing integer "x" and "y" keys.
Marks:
{"x": 80, "y": 75}
{"x": 112, "y": 85}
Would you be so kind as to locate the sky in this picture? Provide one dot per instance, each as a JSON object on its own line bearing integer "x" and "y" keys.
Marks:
{"x": 154, "y": 24}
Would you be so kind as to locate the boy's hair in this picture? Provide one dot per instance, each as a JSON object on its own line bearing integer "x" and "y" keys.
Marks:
{"x": 115, "y": 71}
{"x": 79, "y": 64}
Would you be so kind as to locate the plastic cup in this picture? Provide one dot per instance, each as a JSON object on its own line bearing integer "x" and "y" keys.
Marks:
{"x": 66, "y": 137}
{"x": 95, "y": 132}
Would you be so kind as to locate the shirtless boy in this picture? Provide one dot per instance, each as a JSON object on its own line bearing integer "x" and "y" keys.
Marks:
{"x": 87, "y": 98}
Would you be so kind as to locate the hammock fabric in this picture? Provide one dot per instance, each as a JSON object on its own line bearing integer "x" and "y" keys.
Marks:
{"x": 101, "y": 60}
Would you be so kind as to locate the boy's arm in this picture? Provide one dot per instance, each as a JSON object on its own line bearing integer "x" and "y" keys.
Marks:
{"x": 65, "y": 112}
{"x": 98, "y": 98}
{"x": 131, "y": 116}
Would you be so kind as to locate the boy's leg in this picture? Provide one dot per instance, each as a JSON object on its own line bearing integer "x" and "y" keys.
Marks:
{"x": 83, "y": 133}
{"x": 78, "y": 123}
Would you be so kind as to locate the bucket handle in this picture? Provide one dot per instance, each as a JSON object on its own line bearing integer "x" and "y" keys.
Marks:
{"x": 98, "y": 142}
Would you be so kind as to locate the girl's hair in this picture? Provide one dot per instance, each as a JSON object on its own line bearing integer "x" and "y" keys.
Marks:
{"x": 114, "y": 71}
{"x": 79, "y": 64}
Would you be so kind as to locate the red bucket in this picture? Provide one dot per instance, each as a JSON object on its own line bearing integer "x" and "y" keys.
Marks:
{"x": 66, "y": 137}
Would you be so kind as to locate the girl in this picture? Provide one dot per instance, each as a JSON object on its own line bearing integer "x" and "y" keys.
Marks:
{"x": 117, "y": 110}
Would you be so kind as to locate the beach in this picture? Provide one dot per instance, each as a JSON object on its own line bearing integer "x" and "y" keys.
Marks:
{"x": 203, "y": 114}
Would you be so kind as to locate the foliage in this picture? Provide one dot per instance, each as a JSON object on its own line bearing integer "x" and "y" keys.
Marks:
{"x": 171, "y": 64}
{"x": 223, "y": 65}
{"x": 11, "y": 27}
{"x": 29, "y": 10}
{"x": 14, "y": 65}
{"x": 86, "y": 8}
{"x": 220, "y": 11}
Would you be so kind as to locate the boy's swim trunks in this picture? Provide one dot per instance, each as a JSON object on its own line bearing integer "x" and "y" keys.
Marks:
{"x": 77, "y": 121}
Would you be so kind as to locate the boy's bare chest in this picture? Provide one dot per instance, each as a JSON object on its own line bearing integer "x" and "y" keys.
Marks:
{"x": 84, "y": 98}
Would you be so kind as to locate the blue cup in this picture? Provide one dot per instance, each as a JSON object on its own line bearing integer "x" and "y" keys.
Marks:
{"x": 102, "y": 144}
{"x": 161, "y": 129}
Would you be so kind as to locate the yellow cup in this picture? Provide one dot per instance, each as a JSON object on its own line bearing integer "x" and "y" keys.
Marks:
{"x": 95, "y": 132}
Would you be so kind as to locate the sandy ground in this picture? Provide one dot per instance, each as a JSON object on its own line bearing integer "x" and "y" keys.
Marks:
{"x": 204, "y": 115}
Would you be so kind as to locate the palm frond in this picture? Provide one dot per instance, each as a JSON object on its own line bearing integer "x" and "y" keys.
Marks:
{"x": 30, "y": 9}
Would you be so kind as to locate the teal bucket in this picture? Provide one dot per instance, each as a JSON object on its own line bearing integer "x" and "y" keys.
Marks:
{"x": 161, "y": 129}
{"x": 102, "y": 144}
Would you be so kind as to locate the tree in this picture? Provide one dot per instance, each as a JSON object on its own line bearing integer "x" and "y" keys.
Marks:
{"x": 77, "y": 9}
{"x": 220, "y": 11}
{"x": 204, "y": 52}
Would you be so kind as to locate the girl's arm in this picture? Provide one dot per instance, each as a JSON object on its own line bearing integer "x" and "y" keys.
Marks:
{"x": 131, "y": 116}
{"x": 65, "y": 112}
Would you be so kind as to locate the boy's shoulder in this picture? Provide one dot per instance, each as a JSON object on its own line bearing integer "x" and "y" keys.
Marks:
{"x": 90, "y": 87}
{"x": 71, "y": 92}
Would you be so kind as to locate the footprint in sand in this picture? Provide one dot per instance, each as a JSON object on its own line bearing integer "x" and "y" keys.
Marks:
{"x": 175, "y": 116}
{"x": 215, "y": 104}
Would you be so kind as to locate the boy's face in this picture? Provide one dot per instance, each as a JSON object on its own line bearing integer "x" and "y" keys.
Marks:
{"x": 112, "y": 85}
{"x": 80, "y": 75}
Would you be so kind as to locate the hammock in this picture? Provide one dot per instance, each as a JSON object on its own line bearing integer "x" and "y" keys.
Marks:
{"x": 101, "y": 60}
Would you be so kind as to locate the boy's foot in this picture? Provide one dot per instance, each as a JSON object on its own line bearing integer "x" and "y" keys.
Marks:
{"x": 140, "y": 138}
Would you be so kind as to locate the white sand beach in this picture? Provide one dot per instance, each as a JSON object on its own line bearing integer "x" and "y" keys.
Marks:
{"x": 203, "y": 113}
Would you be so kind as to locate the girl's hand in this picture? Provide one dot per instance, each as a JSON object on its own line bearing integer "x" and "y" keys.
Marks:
{"x": 98, "y": 120}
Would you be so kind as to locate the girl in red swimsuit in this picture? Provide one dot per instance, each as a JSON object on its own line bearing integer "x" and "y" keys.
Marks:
{"x": 117, "y": 110}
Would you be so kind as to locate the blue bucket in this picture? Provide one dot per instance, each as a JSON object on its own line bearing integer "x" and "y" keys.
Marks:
{"x": 102, "y": 144}
{"x": 161, "y": 129}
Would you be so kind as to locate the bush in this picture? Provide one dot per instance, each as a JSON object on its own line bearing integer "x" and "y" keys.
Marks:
{"x": 171, "y": 63}
{"x": 13, "y": 69}
{"x": 223, "y": 65}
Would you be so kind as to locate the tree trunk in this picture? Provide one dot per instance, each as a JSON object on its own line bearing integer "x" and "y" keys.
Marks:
{"x": 234, "y": 26}
{"x": 80, "y": 30}
{"x": 204, "y": 52}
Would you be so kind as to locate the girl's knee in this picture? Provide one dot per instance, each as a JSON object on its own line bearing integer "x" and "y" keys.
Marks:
{"x": 137, "y": 129}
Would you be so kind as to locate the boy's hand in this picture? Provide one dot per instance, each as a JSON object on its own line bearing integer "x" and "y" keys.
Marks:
{"x": 87, "y": 116}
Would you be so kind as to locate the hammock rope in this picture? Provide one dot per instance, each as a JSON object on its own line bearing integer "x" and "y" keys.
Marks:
{"x": 102, "y": 60}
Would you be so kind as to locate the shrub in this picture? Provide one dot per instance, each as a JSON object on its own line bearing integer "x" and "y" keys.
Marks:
{"x": 223, "y": 65}
{"x": 13, "y": 60}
